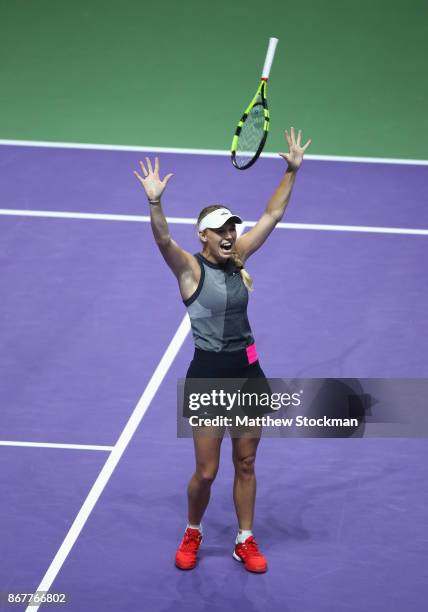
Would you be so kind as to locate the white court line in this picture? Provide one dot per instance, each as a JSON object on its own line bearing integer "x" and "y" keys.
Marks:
{"x": 91, "y": 447}
{"x": 53, "y": 214}
{"x": 189, "y": 221}
{"x": 181, "y": 151}
{"x": 116, "y": 454}
{"x": 114, "y": 458}
{"x": 350, "y": 228}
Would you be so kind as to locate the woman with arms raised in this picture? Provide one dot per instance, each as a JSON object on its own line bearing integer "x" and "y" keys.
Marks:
{"x": 214, "y": 287}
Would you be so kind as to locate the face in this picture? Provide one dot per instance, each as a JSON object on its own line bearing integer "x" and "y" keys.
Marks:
{"x": 219, "y": 243}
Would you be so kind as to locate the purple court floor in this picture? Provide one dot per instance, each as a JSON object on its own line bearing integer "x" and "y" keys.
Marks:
{"x": 87, "y": 312}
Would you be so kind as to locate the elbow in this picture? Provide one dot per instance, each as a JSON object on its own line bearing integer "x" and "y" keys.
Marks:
{"x": 276, "y": 216}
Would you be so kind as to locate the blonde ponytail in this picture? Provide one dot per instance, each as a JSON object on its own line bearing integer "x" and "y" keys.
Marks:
{"x": 246, "y": 278}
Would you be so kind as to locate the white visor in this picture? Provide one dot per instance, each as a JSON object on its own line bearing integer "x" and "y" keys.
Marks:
{"x": 217, "y": 218}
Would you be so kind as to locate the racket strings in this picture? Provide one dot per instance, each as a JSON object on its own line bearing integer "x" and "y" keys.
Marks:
{"x": 251, "y": 136}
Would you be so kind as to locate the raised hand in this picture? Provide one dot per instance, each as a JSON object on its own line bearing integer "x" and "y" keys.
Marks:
{"x": 153, "y": 186}
{"x": 296, "y": 152}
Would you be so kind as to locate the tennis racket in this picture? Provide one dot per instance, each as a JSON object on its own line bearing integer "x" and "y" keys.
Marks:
{"x": 253, "y": 127}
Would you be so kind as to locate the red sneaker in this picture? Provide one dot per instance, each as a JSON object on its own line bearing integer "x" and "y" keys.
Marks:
{"x": 249, "y": 554}
{"x": 186, "y": 555}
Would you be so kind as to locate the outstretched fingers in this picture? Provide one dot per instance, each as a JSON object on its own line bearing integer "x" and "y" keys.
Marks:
{"x": 143, "y": 168}
{"x": 150, "y": 179}
{"x": 291, "y": 138}
{"x": 149, "y": 165}
{"x": 166, "y": 179}
{"x": 140, "y": 178}
{"x": 296, "y": 142}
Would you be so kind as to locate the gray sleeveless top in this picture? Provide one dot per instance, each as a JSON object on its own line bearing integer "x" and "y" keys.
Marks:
{"x": 218, "y": 308}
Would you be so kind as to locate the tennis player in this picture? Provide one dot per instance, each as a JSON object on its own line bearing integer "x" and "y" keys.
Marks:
{"x": 214, "y": 287}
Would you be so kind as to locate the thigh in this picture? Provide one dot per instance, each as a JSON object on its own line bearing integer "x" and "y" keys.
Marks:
{"x": 207, "y": 443}
{"x": 201, "y": 380}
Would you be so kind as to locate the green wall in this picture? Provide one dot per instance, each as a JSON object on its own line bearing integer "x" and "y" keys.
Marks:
{"x": 179, "y": 74}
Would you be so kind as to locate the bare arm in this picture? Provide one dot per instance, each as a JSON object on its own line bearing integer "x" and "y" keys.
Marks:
{"x": 183, "y": 264}
{"x": 249, "y": 242}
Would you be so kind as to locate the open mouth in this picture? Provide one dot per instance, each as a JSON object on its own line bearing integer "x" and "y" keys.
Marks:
{"x": 226, "y": 246}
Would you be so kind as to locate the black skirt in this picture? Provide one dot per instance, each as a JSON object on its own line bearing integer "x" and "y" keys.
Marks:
{"x": 211, "y": 372}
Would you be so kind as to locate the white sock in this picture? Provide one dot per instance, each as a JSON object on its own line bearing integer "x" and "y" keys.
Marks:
{"x": 198, "y": 527}
{"x": 243, "y": 535}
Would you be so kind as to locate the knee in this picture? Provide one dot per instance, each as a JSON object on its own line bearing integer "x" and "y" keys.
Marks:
{"x": 206, "y": 474}
{"x": 244, "y": 466}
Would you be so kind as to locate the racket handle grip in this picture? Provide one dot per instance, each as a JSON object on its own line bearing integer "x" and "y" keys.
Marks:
{"x": 269, "y": 57}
